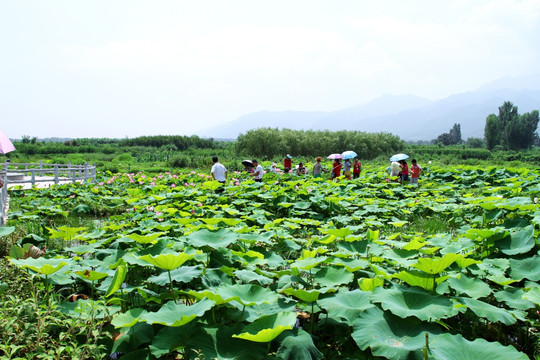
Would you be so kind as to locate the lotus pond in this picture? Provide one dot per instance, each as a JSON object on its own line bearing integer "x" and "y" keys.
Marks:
{"x": 177, "y": 267}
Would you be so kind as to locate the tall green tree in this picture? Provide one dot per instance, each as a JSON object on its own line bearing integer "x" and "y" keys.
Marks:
{"x": 511, "y": 130}
{"x": 491, "y": 132}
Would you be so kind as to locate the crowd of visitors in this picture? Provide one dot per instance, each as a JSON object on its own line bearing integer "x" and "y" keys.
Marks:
{"x": 398, "y": 171}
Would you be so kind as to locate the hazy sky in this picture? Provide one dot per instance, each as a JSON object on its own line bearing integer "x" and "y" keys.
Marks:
{"x": 72, "y": 68}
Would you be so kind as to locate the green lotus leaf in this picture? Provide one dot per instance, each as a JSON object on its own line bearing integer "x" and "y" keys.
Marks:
{"x": 248, "y": 276}
{"x": 168, "y": 261}
{"x": 390, "y": 336}
{"x": 127, "y": 319}
{"x": 91, "y": 275}
{"x": 6, "y": 230}
{"x": 405, "y": 302}
{"x": 65, "y": 232}
{"x": 518, "y": 242}
{"x": 3, "y": 287}
{"x": 346, "y": 304}
{"x": 487, "y": 311}
{"x": 145, "y": 239}
{"x": 533, "y": 294}
{"x": 131, "y": 339}
{"x": 307, "y": 296}
{"x": 370, "y": 284}
{"x": 41, "y": 265}
{"x": 219, "y": 343}
{"x": 297, "y": 344}
{"x": 214, "y": 239}
{"x": 182, "y": 274}
{"x": 436, "y": 265}
{"x": 473, "y": 287}
{"x": 267, "y": 328}
{"x": 525, "y": 268}
{"x": 420, "y": 279}
{"x": 330, "y": 276}
{"x": 514, "y": 298}
{"x": 372, "y": 235}
{"x": 118, "y": 279}
{"x": 455, "y": 347}
{"x": 247, "y": 295}
{"x": 169, "y": 339}
{"x": 351, "y": 265}
{"x": 340, "y": 233}
{"x": 252, "y": 313}
{"x": 250, "y": 253}
{"x": 309, "y": 263}
{"x": 173, "y": 314}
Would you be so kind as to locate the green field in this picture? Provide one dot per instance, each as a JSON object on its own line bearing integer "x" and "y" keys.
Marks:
{"x": 167, "y": 266}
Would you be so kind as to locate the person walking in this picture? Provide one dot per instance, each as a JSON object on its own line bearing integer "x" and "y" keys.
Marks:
{"x": 219, "y": 171}
{"x": 258, "y": 172}
{"x": 287, "y": 163}
{"x": 416, "y": 170}
{"x": 347, "y": 169}
{"x": 357, "y": 167}
{"x": 317, "y": 168}
{"x": 336, "y": 169}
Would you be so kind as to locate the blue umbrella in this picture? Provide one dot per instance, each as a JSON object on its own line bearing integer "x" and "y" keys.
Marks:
{"x": 349, "y": 154}
{"x": 399, "y": 157}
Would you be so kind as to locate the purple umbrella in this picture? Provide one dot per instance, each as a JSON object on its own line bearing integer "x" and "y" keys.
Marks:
{"x": 335, "y": 156}
{"x": 5, "y": 144}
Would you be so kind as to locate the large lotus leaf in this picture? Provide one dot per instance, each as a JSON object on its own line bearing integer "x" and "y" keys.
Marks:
{"x": 168, "y": 261}
{"x": 248, "y": 276}
{"x": 297, "y": 344}
{"x": 370, "y": 284}
{"x": 405, "y": 302}
{"x": 354, "y": 247}
{"x": 214, "y": 239}
{"x": 420, "y": 279}
{"x": 267, "y": 328}
{"x": 525, "y": 268}
{"x": 351, "y": 265}
{"x": 252, "y": 313}
{"x": 309, "y": 263}
{"x": 127, "y": 319}
{"x": 346, "y": 304}
{"x": 145, "y": 239}
{"x": 455, "y": 347}
{"x": 487, "y": 311}
{"x": 518, "y": 242}
{"x": 333, "y": 277}
{"x": 473, "y": 287}
{"x": 390, "y": 336}
{"x": 219, "y": 343}
{"x": 5, "y": 231}
{"x": 91, "y": 275}
{"x": 246, "y": 294}
{"x": 41, "y": 265}
{"x": 307, "y": 296}
{"x": 436, "y": 265}
{"x": 169, "y": 339}
{"x": 173, "y": 314}
{"x": 514, "y": 298}
{"x": 182, "y": 274}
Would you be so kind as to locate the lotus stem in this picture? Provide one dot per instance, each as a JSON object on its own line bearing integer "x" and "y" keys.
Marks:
{"x": 425, "y": 350}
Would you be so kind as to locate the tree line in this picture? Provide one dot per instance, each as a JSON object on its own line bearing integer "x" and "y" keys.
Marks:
{"x": 267, "y": 143}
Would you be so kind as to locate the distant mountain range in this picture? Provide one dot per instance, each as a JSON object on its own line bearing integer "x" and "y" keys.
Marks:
{"x": 408, "y": 116}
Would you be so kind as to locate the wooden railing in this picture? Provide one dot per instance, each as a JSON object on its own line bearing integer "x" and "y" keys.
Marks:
{"x": 33, "y": 174}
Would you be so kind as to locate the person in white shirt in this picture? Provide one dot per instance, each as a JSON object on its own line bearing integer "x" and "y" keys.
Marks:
{"x": 219, "y": 172}
{"x": 258, "y": 173}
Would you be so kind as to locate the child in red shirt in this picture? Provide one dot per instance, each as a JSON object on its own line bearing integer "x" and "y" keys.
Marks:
{"x": 416, "y": 170}
{"x": 357, "y": 167}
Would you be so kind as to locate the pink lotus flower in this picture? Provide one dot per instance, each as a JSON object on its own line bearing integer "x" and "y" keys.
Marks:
{"x": 237, "y": 183}
{"x": 173, "y": 185}
{"x": 193, "y": 211}
{"x": 199, "y": 204}
{"x": 101, "y": 183}
{"x": 72, "y": 196}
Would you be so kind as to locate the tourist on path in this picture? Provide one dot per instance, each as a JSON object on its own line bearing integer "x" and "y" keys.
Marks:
{"x": 258, "y": 172}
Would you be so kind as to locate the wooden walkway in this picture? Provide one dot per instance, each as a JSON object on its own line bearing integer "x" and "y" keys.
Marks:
{"x": 27, "y": 176}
